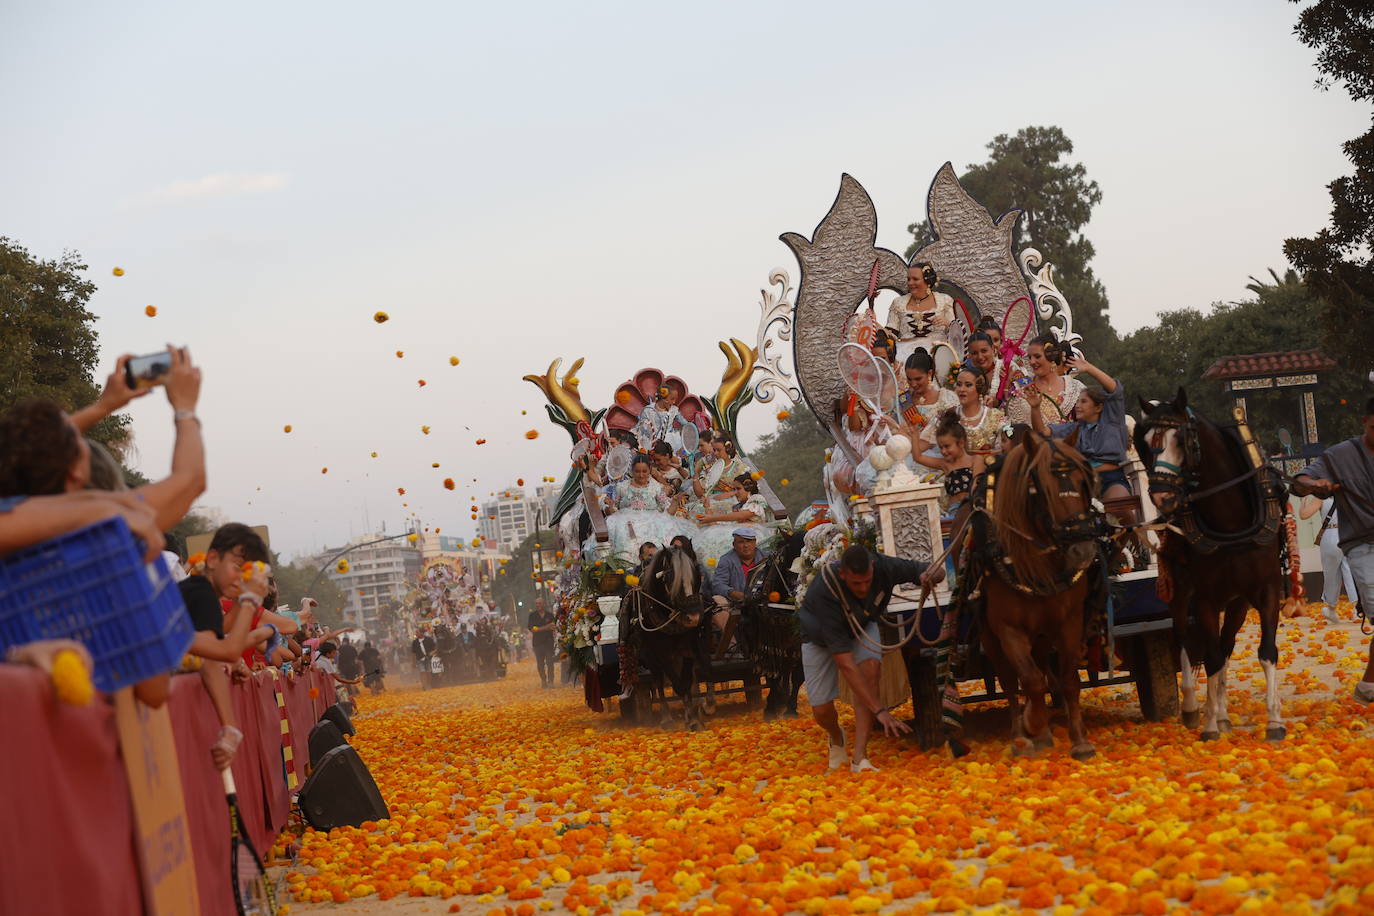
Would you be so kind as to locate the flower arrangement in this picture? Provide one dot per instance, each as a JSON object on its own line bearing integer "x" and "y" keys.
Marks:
{"x": 603, "y": 576}
{"x": 824, "y": 543}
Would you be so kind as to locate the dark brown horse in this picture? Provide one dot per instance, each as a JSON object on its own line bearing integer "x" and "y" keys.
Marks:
{"x": 1037, "y": 554}
{"x": 1223, "y": 555}
{"x": 664, "y": 622}
{"x": 772, "y": 636}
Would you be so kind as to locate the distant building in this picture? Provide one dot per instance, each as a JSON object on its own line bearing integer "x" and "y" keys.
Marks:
{"x": 481, "y": 562}
{"x": 511, "y": 517}
{"x": 548, "y": 494}
{"x": 377, "y": 575}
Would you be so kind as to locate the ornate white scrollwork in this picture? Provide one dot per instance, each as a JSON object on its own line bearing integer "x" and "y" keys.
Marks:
{"x": 774, "y": 341}
{"x": 1050, "y": 304}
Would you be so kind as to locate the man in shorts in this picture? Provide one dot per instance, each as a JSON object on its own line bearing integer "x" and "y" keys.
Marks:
{"x": 845, "y": 599}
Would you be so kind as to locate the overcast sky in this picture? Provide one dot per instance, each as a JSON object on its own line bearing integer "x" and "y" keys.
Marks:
{"x": 519, "y": 182}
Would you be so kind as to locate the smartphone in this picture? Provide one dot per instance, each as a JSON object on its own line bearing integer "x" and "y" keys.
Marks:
{"x": 147, "y": 371}
{"x": 1021, "y": 381}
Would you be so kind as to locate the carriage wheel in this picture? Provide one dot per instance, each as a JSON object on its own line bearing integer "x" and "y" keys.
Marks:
{"x": 1155, "y": 671}
{"x": 925, "y": 701}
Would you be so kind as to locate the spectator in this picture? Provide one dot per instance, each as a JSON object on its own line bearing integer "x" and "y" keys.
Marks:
{"x": 541, "y": 624}
{"x": 372, "y": 668}
{"x": 349, "y": 666}
{"x": 328, "y": 664}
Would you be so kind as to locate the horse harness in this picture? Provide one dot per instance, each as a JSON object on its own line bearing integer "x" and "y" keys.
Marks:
{"x": 1186, "y": 484}
{"x": 1085, "y": 525}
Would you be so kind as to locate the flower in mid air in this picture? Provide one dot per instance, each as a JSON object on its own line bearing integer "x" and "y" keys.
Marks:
{"x": 374, "y": 454}
{"x": 784, "y": 414}
{"x": 286, "y": 428}
{"x": 425, "y": 430}
{"x": 632, "y": 580}
{"x": 434, "y": 464}
{"x": 401, "y": 491}
{"x": 784, "y": 481}
{"x": 342, "y": 566}
{"x": 412, "y": 537}
{"x": 150, "y": 311}
{"x": 118, "y": 271}
{"x": 400, "y": 354}
{"x": 422, "y": 383}
{"x": 324, "y": 470}
{"x": 531, "y": 434}
{"x": 453, "y": 360}
{"x": 481, "y": 441}
{"x": 756, "y": 475}
{"x": 519, "y": 481}
{"x": 448, "y": 483}
{"x": 381, "y": 317}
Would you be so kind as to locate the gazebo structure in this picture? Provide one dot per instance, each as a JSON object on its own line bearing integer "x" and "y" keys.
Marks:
{"x": 1294, "y": 370}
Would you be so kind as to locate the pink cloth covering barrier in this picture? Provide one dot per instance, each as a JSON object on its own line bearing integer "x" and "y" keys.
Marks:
{"x": 68, "y": 841}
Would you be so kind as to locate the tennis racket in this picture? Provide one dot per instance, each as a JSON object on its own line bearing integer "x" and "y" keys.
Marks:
{"x": 864, "y": 374}
{"x": 1016, "y": 327}
{"x": 253, "y": 892}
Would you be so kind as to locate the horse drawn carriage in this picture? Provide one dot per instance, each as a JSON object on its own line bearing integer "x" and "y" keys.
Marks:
{"x": 883, "y": 495}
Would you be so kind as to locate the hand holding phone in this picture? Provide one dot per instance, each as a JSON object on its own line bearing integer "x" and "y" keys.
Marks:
{"x": 142, "y": 372}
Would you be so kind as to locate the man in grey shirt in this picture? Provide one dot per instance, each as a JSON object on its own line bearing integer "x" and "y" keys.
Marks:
{"x": 1346, "y": 472}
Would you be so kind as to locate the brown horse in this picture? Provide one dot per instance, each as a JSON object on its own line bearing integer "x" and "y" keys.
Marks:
{"x": 1223, "y": 556}
{"x": 1038, "y": 554}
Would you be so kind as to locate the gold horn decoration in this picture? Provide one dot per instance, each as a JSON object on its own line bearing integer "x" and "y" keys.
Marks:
{"x": 739, "y": 367}
{"x": 562, "y": 394}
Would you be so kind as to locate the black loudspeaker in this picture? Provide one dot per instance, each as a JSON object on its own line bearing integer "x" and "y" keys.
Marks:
{"x": 341, "y": 792}
{"x": 340, "y": 718}
{"x": 324, "y": 737}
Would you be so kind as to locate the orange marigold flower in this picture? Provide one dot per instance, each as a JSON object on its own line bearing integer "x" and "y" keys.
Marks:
{"x": 448, "y": 483}
{"x": 453, "y": 360}
{"x": 531, "y": 434}
{"x": 150, "y": 311}
{"x": 784, "y": 414}
{"x": 324, "y": 470}
{"x": 381, "y": 317}
{"x": 422, "y": 383}
{"x": 286, "y": 428}
{"x": 400, "y": 354}
{"x": 401, "y": 491}
{"x": 622, "y": 397}
{"x": 118, "y": 271}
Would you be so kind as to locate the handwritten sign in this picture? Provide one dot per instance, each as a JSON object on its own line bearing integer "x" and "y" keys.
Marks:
{"x": 164, "y": 836}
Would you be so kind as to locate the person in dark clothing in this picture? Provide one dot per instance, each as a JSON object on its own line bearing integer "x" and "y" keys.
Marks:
{"x": 372, "y": 668}
{"x": 349, "y": 666}
{"x": 839, "y": 624}
{"x": 541, "y": 624}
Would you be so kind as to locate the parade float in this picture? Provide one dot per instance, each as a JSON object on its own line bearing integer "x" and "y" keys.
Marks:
{"x": 810, "y": 348}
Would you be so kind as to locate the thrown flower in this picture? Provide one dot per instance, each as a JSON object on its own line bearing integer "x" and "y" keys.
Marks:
{"x": 150, "y": 311}
{"x": 381, "y": 317}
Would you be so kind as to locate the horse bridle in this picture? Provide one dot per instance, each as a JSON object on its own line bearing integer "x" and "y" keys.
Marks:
{"x": 1165, "y": 476}
{"x": 1084, "y": 525}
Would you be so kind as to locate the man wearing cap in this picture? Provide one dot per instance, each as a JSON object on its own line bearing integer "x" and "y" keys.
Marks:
{"x": 732, "y": 578}
{"x": 839, "y": 624}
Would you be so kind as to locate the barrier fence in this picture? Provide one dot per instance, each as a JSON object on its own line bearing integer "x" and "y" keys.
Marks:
{"x": 70, "y": 843}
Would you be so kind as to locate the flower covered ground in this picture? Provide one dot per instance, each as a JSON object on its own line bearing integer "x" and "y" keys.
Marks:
{"x": 512, "y": 800}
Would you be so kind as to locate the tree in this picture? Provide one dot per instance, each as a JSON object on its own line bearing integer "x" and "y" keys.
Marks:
{"x": 1338, "y": 262}
{"x": 48, "y": 348}
{"x": 1154, "y": 361}
{"x": 1057, "y": 198}
{"x": 795, "y": 452}
{"x": 292, "y": 581}
{"x": 518, "y": 584}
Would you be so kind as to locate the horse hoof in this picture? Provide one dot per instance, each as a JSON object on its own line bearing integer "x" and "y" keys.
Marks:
{"x": 709, "y": 708}
{"x": 791, "y": 714}
{"x": 1043, "y": 741}
{"x": 1275, "y": 734}
{"x": 1022, "y": 747}
{"x": 1191, "y": 718}
{"x": 957, "y": 748}
{"x": 769, "y": 714}
{"x": 695, "y": 726}
{"x": 1224, "y": 725}
{"x": 1210, "y": 736}
{"x": 1084, "y": 752}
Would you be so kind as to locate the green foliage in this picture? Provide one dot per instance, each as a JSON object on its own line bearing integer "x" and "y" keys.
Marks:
{"x": 1026, "y": 172}
{"x": 795, "y": 452}
{"x": 191, "y": 524}
{"x": 1155, "y": 361}
{"x": 517, "y": 584}
{"x": 48, "y": 349}
{"x": 292, "y": 581}
{"x": 1338, "y": 262}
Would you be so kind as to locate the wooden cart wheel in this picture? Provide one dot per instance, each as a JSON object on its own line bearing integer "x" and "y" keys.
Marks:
{"x": 1155, "y": 670}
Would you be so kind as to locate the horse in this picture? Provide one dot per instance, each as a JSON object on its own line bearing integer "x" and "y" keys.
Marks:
{"x": 1039, "y": 552}
{"x": 665, "y": 621}
{"x": 1223, "y": 555}
{"x": 774, "y": 640}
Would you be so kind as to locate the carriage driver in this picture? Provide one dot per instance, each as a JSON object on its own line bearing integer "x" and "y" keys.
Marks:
{"x": 844, "y": 600}
{"x": 731, "y": 579}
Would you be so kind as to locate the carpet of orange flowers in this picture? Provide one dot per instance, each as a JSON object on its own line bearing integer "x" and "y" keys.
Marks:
{"x": 507, "y": 799}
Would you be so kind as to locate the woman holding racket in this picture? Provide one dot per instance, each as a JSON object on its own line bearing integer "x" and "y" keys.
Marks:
{"x": 1059, "y": 393}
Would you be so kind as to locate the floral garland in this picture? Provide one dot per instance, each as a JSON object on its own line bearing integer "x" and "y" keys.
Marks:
{"x": 823, "y": 544}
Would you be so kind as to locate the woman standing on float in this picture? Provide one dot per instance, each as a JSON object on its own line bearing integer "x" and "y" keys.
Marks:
{"x": 922, "y": 317}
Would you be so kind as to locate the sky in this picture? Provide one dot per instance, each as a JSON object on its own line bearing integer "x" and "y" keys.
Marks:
{"x": 515, "y": 183}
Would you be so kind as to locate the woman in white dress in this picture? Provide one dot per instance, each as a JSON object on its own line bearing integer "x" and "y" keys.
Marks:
{"x": 924, "y": 400}
{"x": 922, "y": 317}
{"x": 1058, "y": 393}
{"x": 1335, "y": 570}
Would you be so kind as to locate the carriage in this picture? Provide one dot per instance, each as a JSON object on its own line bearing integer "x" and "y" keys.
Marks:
{"x": 794, "y": 357}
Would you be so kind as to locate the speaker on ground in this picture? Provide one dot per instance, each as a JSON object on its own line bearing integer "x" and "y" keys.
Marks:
{"x": 341, "y": 792}
{"x": 324, "y": 737}
{"x": 340, "y": 718}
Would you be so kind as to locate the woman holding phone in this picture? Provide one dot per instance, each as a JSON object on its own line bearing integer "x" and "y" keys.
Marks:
{"x": 1059, "y": 393}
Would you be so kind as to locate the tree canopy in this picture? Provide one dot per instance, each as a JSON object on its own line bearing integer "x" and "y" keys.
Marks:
{"x": 1338, "y": 262}
{"x": 517, "y": 585}
{"x": 1031, "y": 171}
{"x": 795, "y": 452}
{"x": 292, "y": 581}
{"x": 49, "y": 348}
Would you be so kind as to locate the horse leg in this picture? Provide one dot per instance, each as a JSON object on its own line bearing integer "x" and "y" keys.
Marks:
{"x": 1191, "y": 717}
{"x": 773, "y": 705}
{"x": 797, "y": 678}
{"x": 1233, "y": 620}
{"x": 1035, "y": 717}
{"x": 1070, "y": 647}
{"x": 1269, "y": 658}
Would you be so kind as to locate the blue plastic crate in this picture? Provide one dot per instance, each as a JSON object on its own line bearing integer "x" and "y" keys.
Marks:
{"x": 92, "y": 586}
